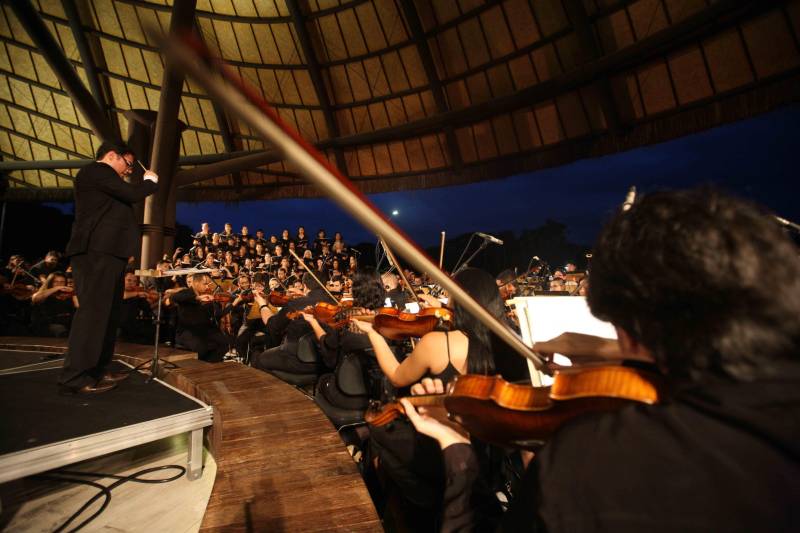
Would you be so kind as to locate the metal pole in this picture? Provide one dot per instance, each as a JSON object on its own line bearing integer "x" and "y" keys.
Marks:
{"x": 2, "y": 227}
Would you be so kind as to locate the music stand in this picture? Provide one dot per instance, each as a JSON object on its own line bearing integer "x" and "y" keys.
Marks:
{"x": 159, "y": 284}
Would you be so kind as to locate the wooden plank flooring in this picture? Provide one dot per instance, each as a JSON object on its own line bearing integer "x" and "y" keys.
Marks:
{"x": 281, "y": 466}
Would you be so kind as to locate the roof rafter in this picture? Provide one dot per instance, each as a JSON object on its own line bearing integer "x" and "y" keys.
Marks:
{"x": 63, "y": 69}
{"x": 434, "y": 83}
{"x": 99, "y": 87}
{"x": 316, "y": 77}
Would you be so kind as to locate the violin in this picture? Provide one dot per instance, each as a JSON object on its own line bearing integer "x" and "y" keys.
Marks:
{"x": 522, "y": 416}
{"x": 65, "y": 295}
{"x": 399, "y": 325}
{"x": 279, "y": 299}
{"x": 224, "y": 297}
{"x": 335, "y": 316}
{"x": 19, "y": 291}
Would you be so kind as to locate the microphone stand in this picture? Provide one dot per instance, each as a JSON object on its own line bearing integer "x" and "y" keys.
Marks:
{"x": 465, "y": 264}
{"x": 460, "y": 257}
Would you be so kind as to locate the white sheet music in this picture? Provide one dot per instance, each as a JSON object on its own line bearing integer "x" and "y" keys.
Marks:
{"x": 542, "y": 318}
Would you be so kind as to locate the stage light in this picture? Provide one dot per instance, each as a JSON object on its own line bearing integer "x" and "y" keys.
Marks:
{"x": 395, "y": 213}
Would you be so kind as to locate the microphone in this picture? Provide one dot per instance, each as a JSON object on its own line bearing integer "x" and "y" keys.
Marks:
{"x": 629, "y": 199}
{"x": 787, "y": 223}
{"x": 490, "y": 238}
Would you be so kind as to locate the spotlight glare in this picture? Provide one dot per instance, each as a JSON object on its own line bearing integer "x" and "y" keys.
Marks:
{"x": 395, "y": 213}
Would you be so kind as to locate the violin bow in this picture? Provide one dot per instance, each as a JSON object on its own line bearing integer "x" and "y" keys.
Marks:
{"x": 246, "y": 104}
{"x": 305, "y": 266}
{"x": 393, "y": 262}
{"x": 441, "y": 251}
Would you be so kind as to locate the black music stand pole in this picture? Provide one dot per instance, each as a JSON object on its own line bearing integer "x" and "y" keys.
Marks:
{"x": 154, "y": 363}
{"x": 465, "y": 264}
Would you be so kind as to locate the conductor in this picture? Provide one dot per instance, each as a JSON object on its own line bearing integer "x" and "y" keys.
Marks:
{"x": 105, "y": 234}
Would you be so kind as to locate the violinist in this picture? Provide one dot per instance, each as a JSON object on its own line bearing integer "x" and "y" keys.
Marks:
{"x": 136, "y": 315}
{"x": 285, "y": 332}
{"x": 13, "y": 268}
{"x": 253, "y": 324}
{"x": 240, "y": 297}
{"x": 356, "y": 379}
{"x": 509, "y": 365}
{"x": 335, "y": 285}
{"x": 53, "y": 306}
{"x": 391, "y": 283}
{"x": 15, "y": 307}
{"x": 506, "y": 284}
{"x": 198, "y": 318}
{"x": 47, "y": 266}
{"x": 721, "y": 454}
{"x": 409, "y": 459}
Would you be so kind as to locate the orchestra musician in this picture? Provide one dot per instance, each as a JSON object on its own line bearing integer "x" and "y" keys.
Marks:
{"x": 198, "y": 320}
{"x": 53, "y": 307}
{"x": 721, "y": 453}
{"x": 105, "y": 234}
{"x": 391, "y": 283}
{"x": 285, "y": 332}
{"x": 411, "y": 460}
{"x": 136, "y": 322}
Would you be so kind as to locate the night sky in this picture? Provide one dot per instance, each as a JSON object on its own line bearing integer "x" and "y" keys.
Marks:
{"x": 755, "y": 158}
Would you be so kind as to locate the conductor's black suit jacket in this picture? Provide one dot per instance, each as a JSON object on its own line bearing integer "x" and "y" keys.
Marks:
{"x": 104, "y": 217}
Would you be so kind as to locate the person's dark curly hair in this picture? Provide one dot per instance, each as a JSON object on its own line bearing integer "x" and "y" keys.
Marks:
{"x": 483, "y": 288}
{"x": 368, "y": 290}
{"x": 683, "y": 274}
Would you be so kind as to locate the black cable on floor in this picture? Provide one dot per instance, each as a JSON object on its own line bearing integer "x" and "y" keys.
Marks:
{"x": 103, "y": 490}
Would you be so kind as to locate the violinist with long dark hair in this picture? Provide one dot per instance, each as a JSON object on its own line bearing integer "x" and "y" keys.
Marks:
{"x": 410, "y": 459}
{"x": 679, "y": 275}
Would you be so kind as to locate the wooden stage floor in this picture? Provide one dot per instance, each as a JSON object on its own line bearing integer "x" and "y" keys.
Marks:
{"x": 281, "y": 465}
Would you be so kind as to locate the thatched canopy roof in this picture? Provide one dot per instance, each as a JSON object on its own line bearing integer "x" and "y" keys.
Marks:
{"x": 401, "y": 94}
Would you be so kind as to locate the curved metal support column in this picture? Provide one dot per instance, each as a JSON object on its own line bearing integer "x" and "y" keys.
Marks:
{"x": 166, "y": 142}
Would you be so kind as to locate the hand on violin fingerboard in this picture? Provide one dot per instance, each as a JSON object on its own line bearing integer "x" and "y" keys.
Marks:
{"x": 440, "y": 429}
{"x": 429, "y": 300}
{"x": 366, "y": 327}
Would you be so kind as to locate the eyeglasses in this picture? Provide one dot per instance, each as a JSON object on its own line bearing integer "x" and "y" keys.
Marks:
{"x": 128, "y": 163}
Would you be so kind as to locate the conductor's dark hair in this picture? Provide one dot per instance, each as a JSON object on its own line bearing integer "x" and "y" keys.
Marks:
{"x": 483, "y": 288}
{"x": 368, "y": 289}
{"x": 683, "y": 273}
{"x": 106, "y": 147}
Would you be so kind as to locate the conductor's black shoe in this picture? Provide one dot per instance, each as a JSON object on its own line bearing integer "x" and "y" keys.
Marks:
{"x": 114, "y": 377}
{"x": 97, "y": 388}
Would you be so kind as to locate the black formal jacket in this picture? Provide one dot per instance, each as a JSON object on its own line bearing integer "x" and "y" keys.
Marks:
{"x": 721, "y": 457}
{"x": 104, "y": 216}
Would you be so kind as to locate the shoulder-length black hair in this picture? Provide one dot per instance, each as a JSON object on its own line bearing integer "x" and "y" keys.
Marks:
{"x": 483, "y": 288}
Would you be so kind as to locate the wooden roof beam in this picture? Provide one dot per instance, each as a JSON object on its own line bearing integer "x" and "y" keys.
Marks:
{"x": 435, "y": 84}
{"x": 99, "y": 87}
{"x": 587, "y": 42}
{"x": 222, "y": 122}
{"x": 64, "y": 71}
{"x": 315, "y": 72}
{"x": 223, "y": 168}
